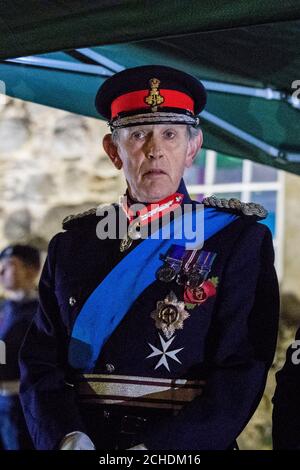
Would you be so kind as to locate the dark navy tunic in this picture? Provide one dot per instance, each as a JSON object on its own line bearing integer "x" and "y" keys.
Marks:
{"x": 226, "y": 343}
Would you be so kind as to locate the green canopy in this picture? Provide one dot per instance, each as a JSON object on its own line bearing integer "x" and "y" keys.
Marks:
{"x": 246, "y": 53}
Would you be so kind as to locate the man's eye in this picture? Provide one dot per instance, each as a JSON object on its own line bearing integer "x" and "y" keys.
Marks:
{"x": 169, "y": 134}
{"x": 138, "y": 135}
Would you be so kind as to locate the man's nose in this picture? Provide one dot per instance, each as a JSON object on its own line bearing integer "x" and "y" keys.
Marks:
{"x": 153, "y": 149}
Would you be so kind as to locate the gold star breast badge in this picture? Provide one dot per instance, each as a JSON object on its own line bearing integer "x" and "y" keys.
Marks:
{"x": 169, "y": 315}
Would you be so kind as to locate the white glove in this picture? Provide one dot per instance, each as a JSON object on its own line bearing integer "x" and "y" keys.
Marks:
{"x": 138, "y": 447}
{"x": 76, "y": 441}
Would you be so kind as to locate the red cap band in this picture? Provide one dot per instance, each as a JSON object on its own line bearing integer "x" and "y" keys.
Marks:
{"x": 136, "y": 100}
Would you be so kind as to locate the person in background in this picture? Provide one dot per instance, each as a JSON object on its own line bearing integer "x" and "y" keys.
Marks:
{"x": 19, "y": 269}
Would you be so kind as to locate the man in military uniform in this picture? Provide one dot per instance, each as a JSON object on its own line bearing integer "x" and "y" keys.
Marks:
{"x": 19, "y": 268}
{"x": 286, "y": 412}
{"x": 147, "y": 342}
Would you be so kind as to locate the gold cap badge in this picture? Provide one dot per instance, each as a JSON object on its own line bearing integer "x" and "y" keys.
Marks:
{"x": 154, "y": 97}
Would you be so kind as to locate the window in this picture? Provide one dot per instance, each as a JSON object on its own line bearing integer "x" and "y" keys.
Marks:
{"x": 215, "y": 173}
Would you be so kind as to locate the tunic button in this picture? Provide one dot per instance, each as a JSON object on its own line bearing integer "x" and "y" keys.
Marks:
{"x": 106, "y": 414}
{"x": 72, "y": 301}
{"x": 110, "y": 368}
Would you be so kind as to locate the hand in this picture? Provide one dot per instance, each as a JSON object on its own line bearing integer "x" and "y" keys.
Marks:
{"x": 76, "y": 441}
{"x": 138, "y": 447}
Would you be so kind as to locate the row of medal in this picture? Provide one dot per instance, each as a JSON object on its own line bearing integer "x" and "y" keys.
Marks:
{"x": 187, "y": 267}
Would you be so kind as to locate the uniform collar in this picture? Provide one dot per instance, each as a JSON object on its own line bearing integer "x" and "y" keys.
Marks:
{"x": 181, "y": 189}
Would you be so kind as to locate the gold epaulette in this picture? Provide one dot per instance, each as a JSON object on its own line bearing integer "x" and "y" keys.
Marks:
{"x": 69, "y": 221}
{"x": 235, "y": 205}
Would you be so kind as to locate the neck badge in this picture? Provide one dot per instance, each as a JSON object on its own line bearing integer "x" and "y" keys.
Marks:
{"x": 125, "y": 244}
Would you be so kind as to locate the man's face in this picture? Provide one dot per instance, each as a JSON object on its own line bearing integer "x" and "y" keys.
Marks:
{"x": 153, "y": 158}
{"x": 16, "y": 275}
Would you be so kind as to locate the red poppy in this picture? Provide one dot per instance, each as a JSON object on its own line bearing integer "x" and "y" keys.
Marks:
{"x": 201, "y": 294}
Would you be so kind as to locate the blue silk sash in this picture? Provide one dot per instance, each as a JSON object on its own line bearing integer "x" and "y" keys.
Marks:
{"x": 102, "y": 312}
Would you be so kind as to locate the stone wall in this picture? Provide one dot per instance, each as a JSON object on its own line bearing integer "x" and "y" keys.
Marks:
{"x": 51, "y": 164}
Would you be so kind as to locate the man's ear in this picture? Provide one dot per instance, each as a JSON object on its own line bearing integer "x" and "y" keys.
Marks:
{"x": 194, "y": 145}
{"x": 112, "y": 151}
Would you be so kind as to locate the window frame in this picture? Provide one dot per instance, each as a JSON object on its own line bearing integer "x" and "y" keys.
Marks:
{"x": 245, "y": 188}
